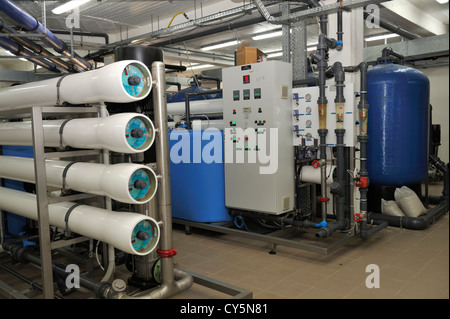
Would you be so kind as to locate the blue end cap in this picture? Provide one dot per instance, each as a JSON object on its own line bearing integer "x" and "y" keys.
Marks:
{"x": 322, "y": 224}
{"x": 339, "y": 42}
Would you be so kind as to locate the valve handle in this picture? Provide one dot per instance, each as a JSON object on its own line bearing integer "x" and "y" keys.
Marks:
{"x": 357, "y": 217}
{"x": 315, "y": 164}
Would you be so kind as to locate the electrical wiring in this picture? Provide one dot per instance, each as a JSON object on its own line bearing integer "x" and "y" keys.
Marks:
{"x": 179, "y": 12}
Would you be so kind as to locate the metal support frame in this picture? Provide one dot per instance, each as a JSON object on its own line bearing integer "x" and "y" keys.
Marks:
{"x": 299, "y": 50}
{"x": 233, "y": 291}
{"x": 42, "y": 199}
{"x": 326, "y": 9}
{"x": 285, "y": 237}
{"x": 286, "y": 34}
{"x": 191, "y": 23}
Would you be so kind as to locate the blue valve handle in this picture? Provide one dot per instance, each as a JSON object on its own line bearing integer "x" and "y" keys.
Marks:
{"x": 321, "y": 224}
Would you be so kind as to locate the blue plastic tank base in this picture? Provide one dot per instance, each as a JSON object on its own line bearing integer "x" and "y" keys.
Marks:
{"x": 198, "y": 189}
{"x": 15, "y": 224}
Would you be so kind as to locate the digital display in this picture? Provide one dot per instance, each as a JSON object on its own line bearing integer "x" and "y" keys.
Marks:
{"x": 246, "y": 94}
{"x": 246, "y": 79}
{"x": 257, "y": 93}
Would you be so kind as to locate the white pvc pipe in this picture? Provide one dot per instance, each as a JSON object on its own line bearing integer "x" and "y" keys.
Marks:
{"x": 309, "y": 174}
{"x": 112, "y": 133}
{"x": 196, "y": 107}
{"x": 107, "y": 84}
{"x": 116, "y": 228}
{"x": 125, "y": 182}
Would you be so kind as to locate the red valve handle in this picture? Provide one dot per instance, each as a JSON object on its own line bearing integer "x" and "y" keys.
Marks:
{"x": 357, "y": 217}
{"x": 315, "y": 164}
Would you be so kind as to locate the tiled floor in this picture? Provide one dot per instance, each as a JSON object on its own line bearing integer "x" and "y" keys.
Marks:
{"x": 412, "y": 264}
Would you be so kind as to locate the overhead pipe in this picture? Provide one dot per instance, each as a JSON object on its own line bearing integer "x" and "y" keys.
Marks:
{"x": 31, "y": 24}
{"x": 120, "y": 82}
{"x": 226, "y": 27}
{"x": 388, "y": 25}
{"x": 130, "y": 232}
{"x": 83, "y": 33}
{"x": 38, "y": 49}
{"x": 124, "y": 182}
{"x": 122, "y": 133}
{"x": 19, "y": 50}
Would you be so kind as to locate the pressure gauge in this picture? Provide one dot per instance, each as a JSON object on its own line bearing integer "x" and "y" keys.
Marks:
{"x": 308, "y": 110}
{"x": 308, "y": 97}
{"x": 308, "y": 123}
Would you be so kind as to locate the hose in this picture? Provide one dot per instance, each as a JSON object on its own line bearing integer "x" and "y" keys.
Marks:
{"x": 179, "y": 12}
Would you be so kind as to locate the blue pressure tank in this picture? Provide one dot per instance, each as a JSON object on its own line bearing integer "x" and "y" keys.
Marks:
{"x": 398, "y": 125}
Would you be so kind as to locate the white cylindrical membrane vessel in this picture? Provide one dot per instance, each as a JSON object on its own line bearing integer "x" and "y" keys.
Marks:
{"x": 124, "y": 182}
{"x": 120, "y": 82}
{"x": 309, "y": 174}
{"x": 196, "y": 107}
{"x": 122, "y": 133}
{"x": 132, "y": 233}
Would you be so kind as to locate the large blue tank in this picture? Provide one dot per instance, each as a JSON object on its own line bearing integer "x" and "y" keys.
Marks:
{"x": 397, "y": 150}
{"x": 197, "y": 183}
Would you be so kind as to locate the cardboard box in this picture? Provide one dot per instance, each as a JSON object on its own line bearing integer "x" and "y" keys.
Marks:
{"x": 247, "y": 55}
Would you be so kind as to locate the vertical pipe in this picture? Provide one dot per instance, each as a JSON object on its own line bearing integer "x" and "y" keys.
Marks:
{"x": 162, "y": 159}
{"x": 363, "y": 183}
{"x": 323, "y": 131}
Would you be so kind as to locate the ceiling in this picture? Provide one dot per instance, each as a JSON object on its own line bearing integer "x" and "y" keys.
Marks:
{"x": 121, "y": 20}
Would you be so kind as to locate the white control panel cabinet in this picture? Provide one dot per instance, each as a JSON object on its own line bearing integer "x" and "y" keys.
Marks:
{"x": 258, "y": 151}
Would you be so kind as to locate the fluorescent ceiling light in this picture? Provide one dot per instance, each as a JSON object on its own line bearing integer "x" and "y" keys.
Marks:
{"x": 201, "y": 66}
{"x": 220, "y": 45}
{"x": 267, "y": 35}
{"x": 274, "y": 54}
{"x": 382, "y": 37}
{"x": 69, "y": 6}
{"x": 442, "y": 1}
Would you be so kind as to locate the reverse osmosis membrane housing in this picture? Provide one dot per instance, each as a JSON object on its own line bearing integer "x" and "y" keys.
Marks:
{"x": 119, "y": 82}
{"x": 122, "y": 133}
{"x": 124, "y": 182}
{"x": 132, "y": 233}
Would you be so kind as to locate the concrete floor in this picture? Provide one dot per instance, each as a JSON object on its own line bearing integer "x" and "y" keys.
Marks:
{"x": 412, "y": 265}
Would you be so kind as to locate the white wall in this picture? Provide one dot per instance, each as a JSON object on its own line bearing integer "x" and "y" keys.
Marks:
{"x": 439, "y": 81}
